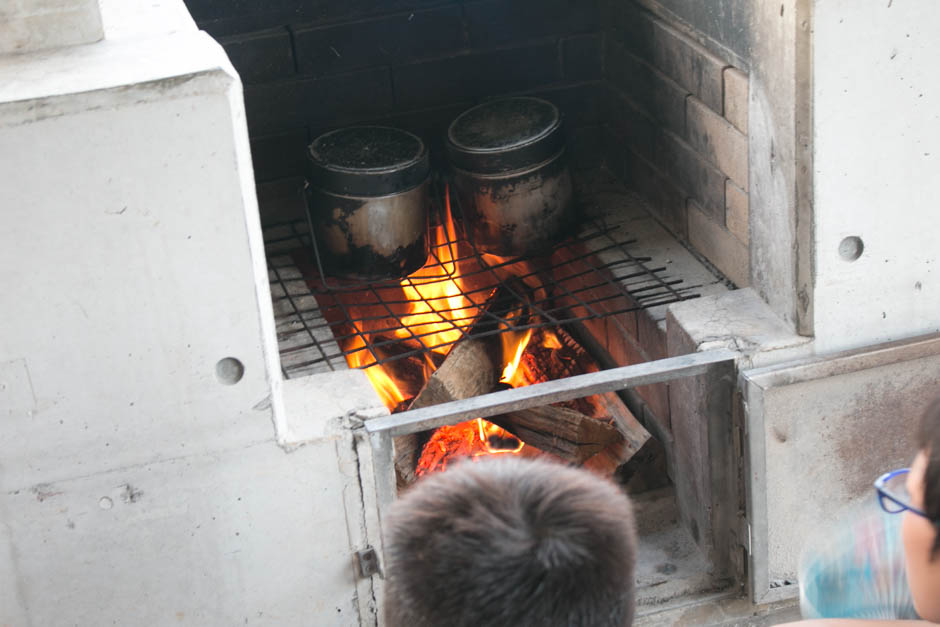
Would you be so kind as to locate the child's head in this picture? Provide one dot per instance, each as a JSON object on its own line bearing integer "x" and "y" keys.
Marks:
{"x": 922, "y": 535}
{"x": 510, "y": 541}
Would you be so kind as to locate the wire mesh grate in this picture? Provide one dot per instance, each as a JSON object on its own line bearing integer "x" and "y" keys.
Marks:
{"x": 324, "y": 323}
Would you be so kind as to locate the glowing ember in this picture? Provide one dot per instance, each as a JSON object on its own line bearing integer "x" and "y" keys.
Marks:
{"x": 470, "y": 439}
{"x": 497, "y": 440}
{"x": 550, "y": 340}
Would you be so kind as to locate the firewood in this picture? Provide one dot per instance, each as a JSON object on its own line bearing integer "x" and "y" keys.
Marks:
{"x": 564, "y": 432}
{"x": 471, "y": 368}
{"x": 468, "y": 371}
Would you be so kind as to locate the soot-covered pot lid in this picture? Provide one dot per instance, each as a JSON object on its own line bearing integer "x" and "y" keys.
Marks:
{"x": 504, "y": 135}
{"x": 367, "y": 161}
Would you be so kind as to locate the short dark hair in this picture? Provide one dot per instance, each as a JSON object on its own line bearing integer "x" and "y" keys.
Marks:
{"x": 510, "y": 541}
{"x": 928, "y": 440}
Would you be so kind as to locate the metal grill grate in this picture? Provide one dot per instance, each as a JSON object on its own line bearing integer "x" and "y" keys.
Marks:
{"x": 322, "y": 321}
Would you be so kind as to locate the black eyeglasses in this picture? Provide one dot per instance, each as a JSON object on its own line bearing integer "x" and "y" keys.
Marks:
{"x": 893, "y": 495}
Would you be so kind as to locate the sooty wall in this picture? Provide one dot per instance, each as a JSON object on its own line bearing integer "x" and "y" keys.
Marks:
{"x": 654, "y": 91}
{"x": 309, "y": 66}
{"x": 677, "y": 116}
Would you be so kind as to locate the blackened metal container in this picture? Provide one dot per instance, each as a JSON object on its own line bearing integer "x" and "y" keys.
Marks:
{"x": 511, "y": 175}
{"x": 367, "y": 200}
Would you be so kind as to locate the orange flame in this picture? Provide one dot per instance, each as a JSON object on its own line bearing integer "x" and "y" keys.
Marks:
{"x": 550, "y": 340}
{"x": 490, "y": 433}
{"x": 437, "y": 314}
{"x": 471, "y": 439}
{"x": 439, "y": 310}
{"x": 514, "y": 343}
{"x": 387, "y": 389}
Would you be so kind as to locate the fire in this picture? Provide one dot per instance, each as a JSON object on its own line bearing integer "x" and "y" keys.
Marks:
{"x": 471, "y": 439}
{"x": 492, "y": 435}
{"x": 359, "y": 357}
{"x": 439, "y": 310}
{"x": 514, "y": 344}
{"x": 437, "y": 314}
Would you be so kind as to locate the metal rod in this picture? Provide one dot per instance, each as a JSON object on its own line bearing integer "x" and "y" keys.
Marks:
{"x": 638, "y": 283}
{"x": 383, "y": 469}
{"x": 540, "y": 394}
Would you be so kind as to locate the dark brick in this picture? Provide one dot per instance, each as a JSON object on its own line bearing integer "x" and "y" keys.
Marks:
{"x": 381, "y": 41}
{"x": 281, "y": 200}
{"x": 680, "y": 58}
{"x": 279, "y": 156}
{"x": 615, "y": 153}
{"x": 334, "y": 100}
{"x": 240, "y": 16}
{"x": 582, "y": 58}
{"x": 585, "y": 147}
{"x": 630, "y": 25}
{"x": 667, "y": 200}
{"x": 203, "y": 10}
{"x": 579, "y": 104}
{"x": 274, "y": 108}
{"x": 262, "y": 56}
{"x": 692, "y": 173}
{"x": 656, "y": 94}
{"x": 635, "y": 127}
{"x": 477, "y": 75}
{"x": 498, "y": 22}
{"x": 240, "y": 24}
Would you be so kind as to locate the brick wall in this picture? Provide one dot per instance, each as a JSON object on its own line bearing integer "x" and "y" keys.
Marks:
{"x": 662, "y": 111}
{"x": 312, "y": 65}
{"x": 676, "y": 131}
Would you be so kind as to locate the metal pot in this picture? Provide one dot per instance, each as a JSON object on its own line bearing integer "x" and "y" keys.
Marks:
{"x": 511, "y": 175}
{"x": 367, "y": 201}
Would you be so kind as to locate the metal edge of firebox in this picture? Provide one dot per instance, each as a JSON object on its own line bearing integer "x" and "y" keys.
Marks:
{"x": 381, "y": 430}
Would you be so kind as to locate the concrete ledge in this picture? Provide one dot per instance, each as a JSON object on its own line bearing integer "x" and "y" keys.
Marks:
{"x": 144, "y": 18}
{"x": 741, "y": 321}
{"x": 27, "y": 26}
{"x": 316, "y": 406}
{"x": 44, "y": 84}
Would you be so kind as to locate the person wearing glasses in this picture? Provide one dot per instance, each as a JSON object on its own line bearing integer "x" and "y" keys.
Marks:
{"x": 915, "y": 494}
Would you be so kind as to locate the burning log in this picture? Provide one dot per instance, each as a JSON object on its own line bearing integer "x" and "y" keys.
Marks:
{"x": 599, "y": 432}
{"x": 472, "y": 367}
{"x": 567, "y": 433}
{"x": 468, "y": 371}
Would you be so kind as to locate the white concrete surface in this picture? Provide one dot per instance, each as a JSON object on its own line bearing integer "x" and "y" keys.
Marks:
{"x": 27, "y": 25}
{"x": 129, "y": 213}
{"x": 135, "y": 487}
{"x": 779, "y": 208}
{"x": 220, "y": 539}
{"x": 876, "y": 157}
{"x": 124, "y": 19}
{"x": 739, "y": 320}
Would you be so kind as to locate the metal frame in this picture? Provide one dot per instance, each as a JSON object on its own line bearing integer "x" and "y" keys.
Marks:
{"x": 755, "y": 383}
{"x": 628, "y": 279}
{"x": 382, "y": 430}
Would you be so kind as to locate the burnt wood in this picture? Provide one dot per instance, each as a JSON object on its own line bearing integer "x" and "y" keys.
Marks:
{"x": 469, "y": 370}
{"x": 566, "y": 433}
